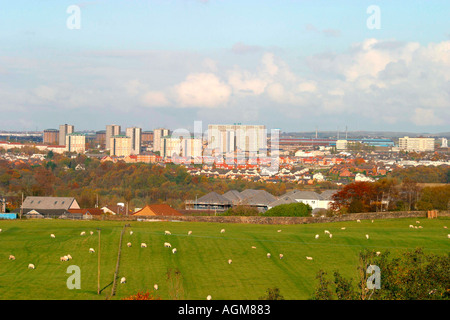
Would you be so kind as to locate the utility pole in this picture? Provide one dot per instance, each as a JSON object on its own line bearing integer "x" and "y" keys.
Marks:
{"x": 21, "y": 208}
{"x": 98, "y": 263}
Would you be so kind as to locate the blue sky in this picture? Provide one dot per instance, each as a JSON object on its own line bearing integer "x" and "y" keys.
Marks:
{"x": 292, "y": 65}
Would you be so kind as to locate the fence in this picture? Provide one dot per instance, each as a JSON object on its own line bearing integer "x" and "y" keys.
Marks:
{"x": 116, "y": 273}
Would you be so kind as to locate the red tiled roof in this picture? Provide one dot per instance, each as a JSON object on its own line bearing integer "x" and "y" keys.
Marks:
{"x": 158, "y": 210}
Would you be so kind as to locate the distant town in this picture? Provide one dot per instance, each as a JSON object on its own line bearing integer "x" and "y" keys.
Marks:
{"x": 247, "y": 152}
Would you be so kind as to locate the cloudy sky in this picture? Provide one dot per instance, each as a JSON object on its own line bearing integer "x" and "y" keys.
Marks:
{"x": 289, "y": 64}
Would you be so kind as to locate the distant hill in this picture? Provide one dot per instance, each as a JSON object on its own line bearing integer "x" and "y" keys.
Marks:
{"x": 365, "y": 134}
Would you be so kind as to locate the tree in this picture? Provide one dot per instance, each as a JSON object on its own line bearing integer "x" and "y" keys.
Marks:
{"x": 272, "y": 294}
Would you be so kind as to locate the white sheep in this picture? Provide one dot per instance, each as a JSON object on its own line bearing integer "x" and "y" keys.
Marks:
{"x": 189, "y": 233}
{"x": 82, "y": 233}
{"x": 222, "y": 231}
{"x": 31, "y": 266}
{"x": 327, "y": 232}
{"x": 367, "y": 236}
{"x": 91, "y": 232}
{"x": 167, "y": 245}
{"x": 331, "y": 235}
{"x": 372, "y": 221}
{"x": 309, "y": 258}
{"x": 253, "y": 247}
{"x": 343, "y": 228}
{"x": 123, "y": 280}
{"x": 378, "y": 253}
{"x": 281, "y": 256}
{"x": 420, "y": 227}
{"x": 131, "y": 232}
{"x": 65, "y": 258}
{"x": 278, "y": 230}
{"x": 143, "y": 245}
{"x": 418, "y": 222}
{"x": 174, "y": 250}
{"x": 129, "y": 244}
{"x": 11, "y": 257}
{"x": 358, "y": 220}
{"x": 411, "y": 226}
{"x": 155, "y": 286}
{"x": 0, "y": 230}
{"x": 52, "y": 236}
{"x": 167, "y": 232}
{"x": 69, "y": 256}
{"x": 208, "y": 297}
{"x": 448, "y": 236}
{"x": 317, "y": 236}
{"x": 445, "y": 227}
{"x": 268, "y": 255}
{"x": 91, "y": 250}
{"x": 230, "y": 261}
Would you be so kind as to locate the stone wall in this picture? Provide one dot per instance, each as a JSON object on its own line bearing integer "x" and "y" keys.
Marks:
{"x": 279, "y": 220}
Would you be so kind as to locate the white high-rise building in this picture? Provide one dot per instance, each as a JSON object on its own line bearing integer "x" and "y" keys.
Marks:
{"x": 231, "y": 138}
{"x": 157, "y": 135}
{"x": 64, "y": 130}
{"x": 444, "y": 143}
{"x": 136, "y": 137}
{"x": 416, "y": 144}
{"x": 111, "y": 130}
{"x": 120, "y": 146}
{"x": 75, "y": 142}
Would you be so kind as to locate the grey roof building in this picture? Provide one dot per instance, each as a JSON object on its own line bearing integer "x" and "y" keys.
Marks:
{"x": 49, "y": 206}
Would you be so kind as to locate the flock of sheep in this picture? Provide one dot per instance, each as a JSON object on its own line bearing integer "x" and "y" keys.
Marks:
{"x": 174, "y": 250}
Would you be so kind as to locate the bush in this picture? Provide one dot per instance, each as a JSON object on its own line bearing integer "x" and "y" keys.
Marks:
{"x": 289, "y": 210}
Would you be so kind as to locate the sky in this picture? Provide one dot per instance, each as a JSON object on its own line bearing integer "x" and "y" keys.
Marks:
{"x": 294, "y": 65}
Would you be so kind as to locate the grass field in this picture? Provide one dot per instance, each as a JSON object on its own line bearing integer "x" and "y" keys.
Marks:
{"x": 201, "y": 258}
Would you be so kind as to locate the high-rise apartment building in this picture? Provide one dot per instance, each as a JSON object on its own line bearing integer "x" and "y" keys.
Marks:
{"x": 136, "y": 139}
{"x": 237, "y": 137}
{"x": 416, "y": 144}
{"x": 51, "y": 136}
{"x": 157, "y": 135}
{"x": 75, "y": 142}
{"x": 180, "y": 147}
{"x": 120, "y": 146}
{"x": 64, "y": 130}
{"x": 111, "y": 130}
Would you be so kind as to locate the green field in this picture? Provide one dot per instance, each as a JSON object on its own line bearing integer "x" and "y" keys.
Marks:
{"x": 202, "y": 257}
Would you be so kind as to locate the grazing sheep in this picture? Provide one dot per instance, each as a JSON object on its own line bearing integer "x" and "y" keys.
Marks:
{"x": 309, "y": 258}
{"x": 131, "y": 232}
{"x": 448, "y": 236}
{"x": 174, "y": 250}
{"x": 327, "y": 232}
{"x": 208, "y": 297}
{"x": 268, "y": 255}
{"x": 367, "y": 236}
{"x": 358, "y": 220}
{"x": 0, "y": 230}
{"x": 167, "y": 232}
{"x": 331, "y": 236}
{"x": 31, "y": 266}
{"x": 372, "y": 221}
{"x": 378, "y": 253}
{"x": 253, "y": 247}
{"x": 69, "y": 256}
{"x": 52, "y": 236}
{"x": 418, "y": 222}
{"x": 222, "y": 231}
{"x": 91, "y": 232}
{"x": 155, "y": 286}
{"x": 91, "y": 250}
{"x": 317, "y": 236}
{"x": 343, "y": 228}
{"x": 129, "y": 244}
{"x": 278, "y": 230}
{"x": 65, "y": 258}
{"x": 167, "y": 245}
{"x": 420, "y": 227}
{"x": 415, "y": 227}
{"x": 281, "y": 256}
{"x": 445, "y": 227}
{"x": 123, "y": 280}
{"x": 230, "y": 261}
{"x": 411, "y": 226}
{"x": 82, "y": 233}
{"x": 143, "y": 245}
{"x": 189, "y": 233}
{"x": 11, "y": 257}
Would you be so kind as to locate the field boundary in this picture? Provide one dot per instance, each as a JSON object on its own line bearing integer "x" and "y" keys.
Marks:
{"x": 278, "y": 220}
{"x": 116, "y": 273}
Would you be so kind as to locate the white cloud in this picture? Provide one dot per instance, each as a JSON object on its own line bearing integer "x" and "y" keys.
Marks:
{"x": 202, "y": 90}
{"x": 425, "y": 117}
